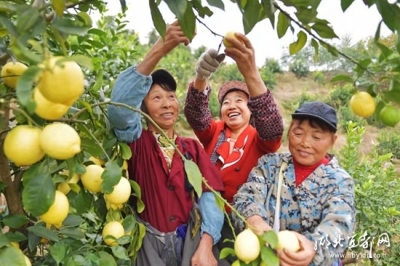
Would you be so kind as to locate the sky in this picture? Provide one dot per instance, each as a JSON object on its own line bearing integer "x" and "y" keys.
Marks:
{"x": 358, "y": 21}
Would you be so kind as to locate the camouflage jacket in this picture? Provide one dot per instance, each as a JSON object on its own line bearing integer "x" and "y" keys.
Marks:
{"x": 321, "y": 207}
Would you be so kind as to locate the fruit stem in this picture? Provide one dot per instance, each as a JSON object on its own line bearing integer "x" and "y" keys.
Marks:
{"x": 30, "y": 120}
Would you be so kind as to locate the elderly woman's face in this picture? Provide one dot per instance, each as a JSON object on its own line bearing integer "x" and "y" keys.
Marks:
{"x": 234, "y": 110}
{"x": 162, "y": 106}
{"x": 309, "y": 145}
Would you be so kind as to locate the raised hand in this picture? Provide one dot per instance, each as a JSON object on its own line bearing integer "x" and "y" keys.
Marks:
{"x": 208, "y": 63}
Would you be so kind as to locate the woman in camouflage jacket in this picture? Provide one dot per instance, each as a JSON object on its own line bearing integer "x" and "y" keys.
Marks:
{"x": 317, "y": 195}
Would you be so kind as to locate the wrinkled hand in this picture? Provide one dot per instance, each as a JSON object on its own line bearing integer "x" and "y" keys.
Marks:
{"x": 303, "y": 257}
{"x": 208, "y": 63}
{"x": 258, "y": 224}
{"x": 242, "y": 52}
{"x": 203, "y": 257}
{"x": 173, "y": 37}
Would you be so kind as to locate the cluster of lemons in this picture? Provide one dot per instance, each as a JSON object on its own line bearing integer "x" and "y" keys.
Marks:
{"x": 363, "y": 104}
{"x": 59, "y": 84}
{"x": 247, "y": 245}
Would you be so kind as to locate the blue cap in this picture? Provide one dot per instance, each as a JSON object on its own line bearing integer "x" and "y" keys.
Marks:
{"x": 318, "y": 110}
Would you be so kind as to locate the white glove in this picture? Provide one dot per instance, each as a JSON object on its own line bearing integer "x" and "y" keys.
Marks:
{"x": 208, "y": 63}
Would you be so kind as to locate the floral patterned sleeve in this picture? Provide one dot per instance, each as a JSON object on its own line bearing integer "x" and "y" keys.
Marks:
{"x": 196, "y": 108}
{"x": 267, "y": 119}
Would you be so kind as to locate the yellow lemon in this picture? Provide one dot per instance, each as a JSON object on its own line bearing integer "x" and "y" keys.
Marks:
{"x": 114, "y": 229}
{"x": 288, "y": 240}
{"x": 21, "y": 145}
{"x": 27, "y": 261}
{"x": 113, "y": 206}
{"x": 58, "y": 211}
{"x": 61, "y": 82}
{"x": 47, "y": 109}
{"x": 97, "y": 161}
{"x": 91, "y": 179}
{"x": 11, "y": 72}
{"x": 247, "y": 246}
{"x": 64, "y": 186}
{"x": 229, "y": 34}
{"x": 120, "y": 193}
{"x": 362, "y": 104}
{"x": 60, "y": 141}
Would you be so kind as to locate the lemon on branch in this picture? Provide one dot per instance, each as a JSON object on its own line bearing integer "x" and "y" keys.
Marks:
{"x": 60, "y": 141}
{"x": 288, "y": 240}
{"x": 58, "y": 211}
{"x": 121, "y": 192}
{"x": 11, "y": 72}
{"x": 247, "y": 246}
{"x": 64, "y": 186}
{"x": 91, "y": 179}
{"x": 114, "y": 229}
{"x": 61, "y": 82}
{"x": 362, "y": 104}
{"x": 47, "y": 109}
{"x": 97, "y": 160}
{"x": 21, "y": 145}
{"x": 389, "y": 115}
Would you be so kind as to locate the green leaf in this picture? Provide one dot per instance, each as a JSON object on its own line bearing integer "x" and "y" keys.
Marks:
{"x": 38, "y": 194}
{"x": 271, "y": 238}
{"x": 323, "y": 30}
{"x": 126, "y": 152}
{"x": 283, "y": 24}
{"x": 6, "y": 23}
{"x": 157, "y": 18}
{"x": 306, "y": 15}
{"x": 194, "y": 175}
{"x": 178, "y": 7}
{"x": 188, "y": 22}
{"x": 25, "y": 53}
{"x": 299, "y": 44}
{"x": 390, "y": 14}
{"x": 58, "y": 252}
{"x": 217, "y": 3}
{"x": 378, "y": 32}
{"x": 344, "y": 78}
{"x": 59, "y": 6}
{"x": 106, "y": 259}
{"x": 81, "y": 201}
{"x": 7, "y": 6}
{"x": 225, "y": 252}
{"x": 44, "y": 232}
{"x": 392, "y": 95}
{"x": 315, "y": 44}
{"x": 201, "y": 10}
{"x": 250, "y": 18}
{"x": 345, "y": 4}
{"x": 120, "y": 252}
{"x": 86, "y": 18}
{"x": 11, "y": 256}
{"x": 24, "y": 88}
{"x": 27, "y": 18}
{"x": 269, "y": 9}
{"x": 386, "y": 51}
{"x": 68, "y": 26}
{"x": 72, "y": 220}
{"x": 15, "y": 221}
{"x": 269, "y": 257}
{"x": 15, "y": 236}
{"x": 129, "y": 223}
{"x": 138, "y": 193}
{"x": 74, "y": 233}
{"x": 111, "y": 176}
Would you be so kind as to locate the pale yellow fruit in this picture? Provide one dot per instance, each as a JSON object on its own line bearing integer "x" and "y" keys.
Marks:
{"x": 47, "y": 109}
{"x": 60, "y": 141}
{"x": 288, "y": 240}
{"x": 58, "y": 211}
{"x": 21, "y": 145}
{"x": 120, "y": 193}
{"x": 97, "y": 161}
{"x": 15, "y": 244}
{"x": 64, "y": 186}
{"x": 27, "y": 261}
{"x": 247, "y": 246}
{"x": 125, "y": 165}
{"x": 236, "y": 263}
{"x": 91, "y": 179}
{"x": 61, "y": 82}
{"x": 11, "y": 72}
{"x": 113, "y": 206}
{"x": 362, "y": 104}
{"x": 229, "y": 34}
{"x": 114, "y": 229}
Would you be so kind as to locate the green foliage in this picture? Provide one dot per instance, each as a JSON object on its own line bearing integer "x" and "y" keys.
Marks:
{"x": 293, "y": 104}
{"x": 273, "y": 65}
{"x": 299, "y": 68}
{"x": 268, "y": 76}
{"x": 375, "y": 179}
{"x": 319, "y": 77}
{"x": 389, "y": 142}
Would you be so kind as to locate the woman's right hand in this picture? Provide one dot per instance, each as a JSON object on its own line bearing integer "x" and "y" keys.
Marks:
{"x": 258, "y": 225}
{"x": 173, "y": 37}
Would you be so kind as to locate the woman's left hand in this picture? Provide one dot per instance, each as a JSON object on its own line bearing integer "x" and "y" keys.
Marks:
{"x": 204, "y": 255}
{"x": 303, "y": 257}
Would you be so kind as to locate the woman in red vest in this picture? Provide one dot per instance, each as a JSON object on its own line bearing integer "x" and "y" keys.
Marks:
{"x": 233, "y": 143}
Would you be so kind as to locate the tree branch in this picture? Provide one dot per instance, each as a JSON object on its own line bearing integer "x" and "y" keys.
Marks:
{"x": 319, "y": 39}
